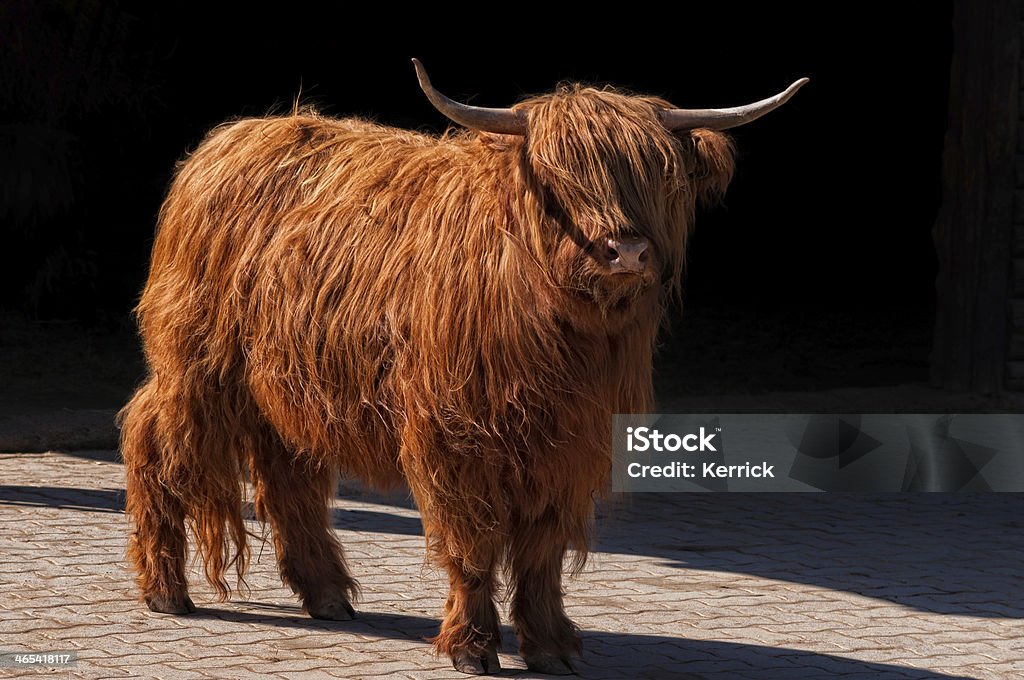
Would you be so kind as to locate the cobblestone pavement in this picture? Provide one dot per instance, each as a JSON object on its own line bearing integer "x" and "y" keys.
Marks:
{"x": 714, "y": 586}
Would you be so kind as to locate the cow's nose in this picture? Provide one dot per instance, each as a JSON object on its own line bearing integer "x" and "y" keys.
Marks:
{"x": 628, "y": 254}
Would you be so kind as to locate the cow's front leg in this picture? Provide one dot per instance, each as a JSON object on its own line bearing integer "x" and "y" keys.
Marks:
{"x": 463, "y": 536}
{"x": 547, "y": 638}
{"x": 470, "y": 633}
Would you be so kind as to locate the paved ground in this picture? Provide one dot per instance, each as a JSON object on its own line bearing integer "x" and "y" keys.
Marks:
{"x": 714, "y": 586}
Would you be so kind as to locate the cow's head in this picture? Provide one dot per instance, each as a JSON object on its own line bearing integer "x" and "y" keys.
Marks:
{"x": 618, "y": 177}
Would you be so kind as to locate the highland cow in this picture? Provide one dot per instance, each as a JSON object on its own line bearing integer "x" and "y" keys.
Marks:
{"x": 462, "y": 314}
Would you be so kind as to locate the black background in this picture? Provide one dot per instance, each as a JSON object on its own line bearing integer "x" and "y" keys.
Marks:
{"x": 828, "y": 218}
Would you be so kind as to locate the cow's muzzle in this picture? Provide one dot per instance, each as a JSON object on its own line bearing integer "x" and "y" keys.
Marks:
{"x": 628, "y": 255}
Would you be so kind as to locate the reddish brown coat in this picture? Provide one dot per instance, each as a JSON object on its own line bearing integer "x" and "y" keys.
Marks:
{"x": 333, "y": 295}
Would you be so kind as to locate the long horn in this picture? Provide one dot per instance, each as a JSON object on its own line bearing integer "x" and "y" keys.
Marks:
{"x": 723, "y": 119}
{"x": 503, "y": 121}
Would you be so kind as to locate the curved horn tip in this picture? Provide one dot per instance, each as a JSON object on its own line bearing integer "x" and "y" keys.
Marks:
{"x": 500, "y": 121}
{"x": 421, "y": 72}
{"x": 786, "y": 94}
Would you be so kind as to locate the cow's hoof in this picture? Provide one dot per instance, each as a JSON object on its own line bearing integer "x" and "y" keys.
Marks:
{"x": 549, "y": 664}
{"x": 332, "y": 610}
{"x": 181, "y": 604}
{"x": 467, "y": 662}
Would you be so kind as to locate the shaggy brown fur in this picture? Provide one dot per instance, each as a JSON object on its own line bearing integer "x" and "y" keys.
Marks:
{"x": 334, "y": 295}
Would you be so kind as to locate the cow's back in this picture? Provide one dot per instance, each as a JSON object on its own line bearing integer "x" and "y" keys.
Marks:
{"x": 266, "y": 237}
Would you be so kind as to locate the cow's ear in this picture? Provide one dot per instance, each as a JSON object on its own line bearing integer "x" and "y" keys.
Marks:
{"x": 712, "y": 164}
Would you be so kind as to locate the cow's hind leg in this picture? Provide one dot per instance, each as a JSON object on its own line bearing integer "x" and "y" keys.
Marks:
{"x": 294, "y": 496}
{"x": 157, "y": 546}
{"x": 547, "y": 638}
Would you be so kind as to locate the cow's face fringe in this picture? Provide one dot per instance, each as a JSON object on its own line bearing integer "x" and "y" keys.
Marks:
{"x": 605, "y": 167}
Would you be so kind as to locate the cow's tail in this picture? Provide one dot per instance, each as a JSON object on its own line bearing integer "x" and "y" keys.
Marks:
{"x": 183, "y": 467}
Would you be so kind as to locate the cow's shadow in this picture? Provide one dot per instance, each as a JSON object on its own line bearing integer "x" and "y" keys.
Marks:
{"x": 607, "y": 654}
{"x": 943, "y": 553}
{"x": 63, "y": 497}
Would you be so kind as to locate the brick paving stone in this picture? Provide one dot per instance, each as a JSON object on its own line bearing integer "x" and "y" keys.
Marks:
{"x": 708, "y": 586}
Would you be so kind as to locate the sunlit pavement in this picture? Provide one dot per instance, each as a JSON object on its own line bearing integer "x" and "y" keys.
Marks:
{"x": 681, "y": 586}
